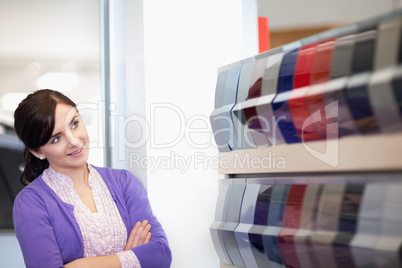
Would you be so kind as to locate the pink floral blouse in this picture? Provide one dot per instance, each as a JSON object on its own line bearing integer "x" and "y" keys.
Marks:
{"x": 103, "y": 232}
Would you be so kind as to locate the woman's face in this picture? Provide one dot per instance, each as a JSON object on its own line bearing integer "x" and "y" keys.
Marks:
{"x": 68, "y": 148}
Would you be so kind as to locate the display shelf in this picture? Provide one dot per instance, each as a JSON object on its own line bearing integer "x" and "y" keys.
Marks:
{"x": 310, "y": 141}
{"x": 381, "y": 152}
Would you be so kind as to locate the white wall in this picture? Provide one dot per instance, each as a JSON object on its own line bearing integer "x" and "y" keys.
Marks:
{"x": 185, "y": 42}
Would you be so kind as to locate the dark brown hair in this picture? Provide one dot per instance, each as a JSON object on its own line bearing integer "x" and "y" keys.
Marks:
{"x": 34, "y": 124}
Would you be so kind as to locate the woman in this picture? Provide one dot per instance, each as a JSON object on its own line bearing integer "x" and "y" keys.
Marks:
{"x": 73, "y": 214}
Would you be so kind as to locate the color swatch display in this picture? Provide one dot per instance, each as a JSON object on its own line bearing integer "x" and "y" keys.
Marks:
{"x": 316, "y": 221}
{"x": 342, "y": 82}
{"x": 350, "y": 76}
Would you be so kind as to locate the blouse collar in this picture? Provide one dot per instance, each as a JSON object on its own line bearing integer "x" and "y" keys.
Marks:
{"x": 64, "y": 180}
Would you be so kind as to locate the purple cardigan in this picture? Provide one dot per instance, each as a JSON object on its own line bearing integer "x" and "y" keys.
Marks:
{"x": 49, "y": 235}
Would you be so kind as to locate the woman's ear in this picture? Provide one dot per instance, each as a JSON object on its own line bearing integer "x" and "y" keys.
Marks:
{"x": 37, "y": 153}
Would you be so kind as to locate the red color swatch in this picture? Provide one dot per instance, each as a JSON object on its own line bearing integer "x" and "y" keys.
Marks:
{"x": 263, "y": 34}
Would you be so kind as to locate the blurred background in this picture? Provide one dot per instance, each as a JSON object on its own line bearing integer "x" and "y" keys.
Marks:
{"x": 172, "y": 50}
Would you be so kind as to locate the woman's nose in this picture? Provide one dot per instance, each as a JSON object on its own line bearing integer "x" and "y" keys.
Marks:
{"x": 73, "y": 140}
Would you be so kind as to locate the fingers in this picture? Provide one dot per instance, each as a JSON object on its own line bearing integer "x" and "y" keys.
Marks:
{"x": 130, "y": 239}
{"x": 140, "y": 234}
{"x": 148, "y": 238}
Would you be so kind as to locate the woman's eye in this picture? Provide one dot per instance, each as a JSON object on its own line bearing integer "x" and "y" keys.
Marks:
{"x": 56, "y": 139}
{"x": 74, "y": 125}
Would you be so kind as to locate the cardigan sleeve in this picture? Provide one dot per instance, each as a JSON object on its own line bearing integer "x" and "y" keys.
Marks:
{"x": 34, "y": 232}
{"x": 156, "y": 253}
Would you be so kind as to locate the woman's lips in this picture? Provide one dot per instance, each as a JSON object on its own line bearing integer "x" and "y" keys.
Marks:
{"x": 76, "y": 152}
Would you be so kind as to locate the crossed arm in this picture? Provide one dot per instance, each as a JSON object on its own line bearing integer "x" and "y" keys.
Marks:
{"x": 139, "y": 235}
{"x": 49, "y": 237}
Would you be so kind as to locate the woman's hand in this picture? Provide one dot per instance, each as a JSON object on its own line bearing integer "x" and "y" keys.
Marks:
{"x": 139, "y": 235}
